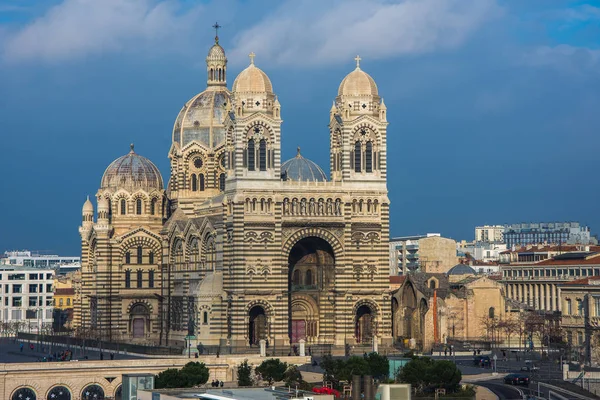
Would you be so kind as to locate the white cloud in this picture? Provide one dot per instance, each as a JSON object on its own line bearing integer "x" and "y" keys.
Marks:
{"x": 563, "y": 57}
{"x": 76, "y": 28}
{"x": 316, "y": 32}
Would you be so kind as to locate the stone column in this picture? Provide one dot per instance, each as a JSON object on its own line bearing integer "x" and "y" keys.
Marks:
{"x": 302, "y": 347}
{"x": 263, "y": 347}
{"x": 375, "y": 344}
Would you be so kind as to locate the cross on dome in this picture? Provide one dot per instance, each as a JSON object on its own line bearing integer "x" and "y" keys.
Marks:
{"x": 252, "y": 55}
{"x": 216, "y": 26}
{"x": 357, "y": 59}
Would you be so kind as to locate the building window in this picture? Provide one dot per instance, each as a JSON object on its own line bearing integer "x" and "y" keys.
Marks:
{"x": 139, "y": 278}
{"x": 68, "y": 301}
{"x": 369, "y": 157}
{"x": 60, "y": 302}
{"x": 579, "y": 307}
{"x": 492, "y": 312}
{"x": 251, "y": 155}
{"x": 357, "y": 157}
{"x": 123, "y": 207}
{"x": 262, "y": 155}
{"x": 17, "y": 289}
{"x": 194, "y": 183}
{"x": 140, "y": 253}
{"x": 138, "y": 206}
{"x": 222, "y": 182}
{"x": 580, "y": 338}
{"x": 205, "y": 317}
{"x": 201, "y": 179}
{"x": 16, "y": 302}
{"x": 151, "y": 257}
{"x": 151, "y": 278}
{"x": 153, "y": 207}
{"x": 569, "y": 309}
{"x": 128, "y": 258}
{"x": 127, "y": 278}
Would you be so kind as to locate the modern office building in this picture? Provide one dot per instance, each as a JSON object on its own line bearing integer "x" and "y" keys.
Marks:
{"x": 547, "y": 232}
{"x": 27, "y": 258}
{"x": 427, "y": 253}
{"x": 26, "y": 297}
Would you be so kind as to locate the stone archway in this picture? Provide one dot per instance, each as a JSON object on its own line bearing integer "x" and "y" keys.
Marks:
{"x": 311, "y": 277}
{"x": 257, "y": 325}
{"x": 364, "y": 324}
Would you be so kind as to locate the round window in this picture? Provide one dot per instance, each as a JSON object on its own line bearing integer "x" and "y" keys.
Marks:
{"x": 198, "y": 163}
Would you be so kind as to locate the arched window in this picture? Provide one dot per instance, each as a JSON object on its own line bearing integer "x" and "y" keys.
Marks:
{"x": 309, "y": 277}
{"x": 205, "y": 317}
{"x": 251, "y": 155}
{"x": 151, "y": 278}
{"x": 140, "y": 278}
{"x": 127, "y": 278}
{"x": 59, "y": 393}
{"x": 123, "y": 207}
{"x": 357, "y": 157}
{"x": 211, "y": 261}
{"x": 151, "y": 257}
{"x": 212, "y": 74}
{"x": 432, "y": 284}
{"x": 153, "y": 207}
{"x": 194, "y": 183}
{"x": 296, "y": 277}
{"x": 369, "y": 157}
{"x": 222, "y": 182}
{"x": 201, "y": 176}
{"x": 262, "y": 158}
{"x": 140, "y": 253}
{"x": 138, "y": 206}
{"x": 492, "y": 312}
{"x": 128, "y": 258}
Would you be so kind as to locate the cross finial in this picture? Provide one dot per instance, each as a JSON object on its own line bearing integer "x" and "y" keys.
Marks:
{"x": 131, "y": 147}
{"x": 357, "y": 59}
{"x": 216, "y": 26}
{"x": 252, "y": 55}
{"x": 298, "y": 149}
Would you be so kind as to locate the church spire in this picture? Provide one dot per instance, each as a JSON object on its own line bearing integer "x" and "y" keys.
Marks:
{"x": 216, "y": 62}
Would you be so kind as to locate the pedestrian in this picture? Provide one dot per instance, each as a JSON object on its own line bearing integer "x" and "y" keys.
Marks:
{"x": 31, "y": 346}
{"x": 445, "y": 352}
{"x": 101, "y": 356}
{"x": 112, "y": 356}
{"x": 474, "y": 353}
{"x": 221, "y": 383}
{"x": 21, "y": 347}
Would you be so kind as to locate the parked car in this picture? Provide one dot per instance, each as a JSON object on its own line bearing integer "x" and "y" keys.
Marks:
{"x": 516, "y": 379}
{"x": 481, "y": 360}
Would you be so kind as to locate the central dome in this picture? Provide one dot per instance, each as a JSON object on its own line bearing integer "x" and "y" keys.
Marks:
{"x": 462, "y": 269}
{"x": 132, "y": 172}
{"x": 201, "y": 119}
{"x": 300, "y": 169}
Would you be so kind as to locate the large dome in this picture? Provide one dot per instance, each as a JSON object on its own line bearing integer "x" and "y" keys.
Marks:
{"x": 358, "y": 83}
{"x": 300, "y": 169}
{"x": 252, "y": 80}
{"x": 132, "y": 172}
{"x": 201, "y": 119}
{"x": 461, "y": 269}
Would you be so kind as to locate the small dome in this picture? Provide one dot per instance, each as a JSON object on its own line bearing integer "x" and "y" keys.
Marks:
{"x": 300, "y": 169}
{"x": 204, "y": 113}
{"x": 132, "y": 172}
{"x": 216, "y": 52}
{"x": 358, "y": 83}
{"x": 252, "y": 80}
{"x": 103, "y": 204}
{"x": 461, "y": 269}
{"x": 88, "y": 207}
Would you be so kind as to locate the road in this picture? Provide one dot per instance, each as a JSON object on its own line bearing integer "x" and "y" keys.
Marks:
{"x": 503, "y": 391}
{"x": 10, "y": 352}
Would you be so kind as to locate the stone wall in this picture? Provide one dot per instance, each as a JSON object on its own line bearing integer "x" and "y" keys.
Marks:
{"x": 437, "y": 254}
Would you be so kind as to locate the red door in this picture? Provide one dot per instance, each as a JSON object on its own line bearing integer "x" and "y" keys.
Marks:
{"x": 298, "y": 330}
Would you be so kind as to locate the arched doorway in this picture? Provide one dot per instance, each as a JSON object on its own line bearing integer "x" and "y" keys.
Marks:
{"x": 311, "y": 277}
{"x": 257, "y": 326}
{"x": 363, "y": 329}
{"x": 139, "y": 316}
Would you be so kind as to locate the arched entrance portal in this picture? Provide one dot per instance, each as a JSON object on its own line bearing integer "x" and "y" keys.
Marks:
{"x": 311, "y": 277}
{"x": 139, "y": 320}
{"x": 364, "y": 324}
{"x": 257, "y": 326}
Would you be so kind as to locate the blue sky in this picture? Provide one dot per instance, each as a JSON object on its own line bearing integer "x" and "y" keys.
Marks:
{"x": 493, "y": 104}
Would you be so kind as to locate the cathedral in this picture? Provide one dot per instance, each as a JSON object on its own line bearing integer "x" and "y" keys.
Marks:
{"x": 240, "y": 246}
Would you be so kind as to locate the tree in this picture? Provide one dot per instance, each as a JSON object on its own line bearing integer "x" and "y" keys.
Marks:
{"x": 272, "y": 370}
{"x": 379, "y": 366}
{"x": 244, "y": 372}
{"x": 355, "y": 365}
{"x": 509, "y": 327}
{"x": 426, "y": 374}
{"x": 192, "y": 374}
{"x": 293, "y": 376}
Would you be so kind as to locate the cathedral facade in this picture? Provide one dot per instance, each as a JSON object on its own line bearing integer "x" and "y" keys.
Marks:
{"x": 241, "y": 246}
